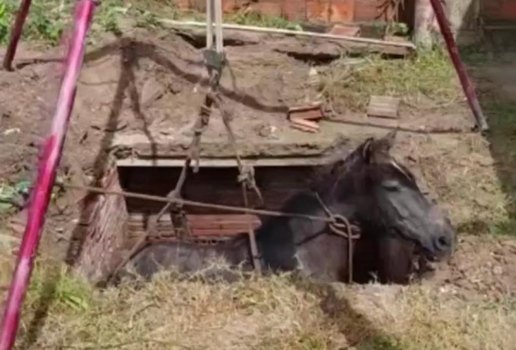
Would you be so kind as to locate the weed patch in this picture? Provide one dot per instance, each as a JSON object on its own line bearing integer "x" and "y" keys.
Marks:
{"x": 427, "y": 77}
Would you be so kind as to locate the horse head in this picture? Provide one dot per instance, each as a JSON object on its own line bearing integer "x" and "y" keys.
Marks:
{"x": 383, "y": 198}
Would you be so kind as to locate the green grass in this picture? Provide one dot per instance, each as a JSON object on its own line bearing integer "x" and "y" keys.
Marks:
{"x": 269, "y": 313}
{"x": 428, "y": 75}
{"x": 48, "y": 20}
{"x": 502, "y": 120}
{"x": 256, "y": 19}
{"x": 500, "y": 109}
{"x": 51, "y": 282}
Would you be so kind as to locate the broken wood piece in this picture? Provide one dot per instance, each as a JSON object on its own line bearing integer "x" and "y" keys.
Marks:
{"x": 304, "y": 125}
{"x": 309, "y": 112}
{"x": 383, "y": 107}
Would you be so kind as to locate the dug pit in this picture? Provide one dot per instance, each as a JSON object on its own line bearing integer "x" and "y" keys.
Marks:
{"x": 112, "y": 225}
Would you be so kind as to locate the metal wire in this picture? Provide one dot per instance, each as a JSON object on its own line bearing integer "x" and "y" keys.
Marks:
{"x": 337, "y": 223}
{"x": 235, "y": 209}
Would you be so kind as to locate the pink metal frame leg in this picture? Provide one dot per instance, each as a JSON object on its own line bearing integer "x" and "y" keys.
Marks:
{"x": 51, "y": 155}
{"x": 453, "y": 51}
{"x": 16, "y": 33}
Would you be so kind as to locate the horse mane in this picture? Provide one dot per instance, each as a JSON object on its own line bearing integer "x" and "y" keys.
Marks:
{"x": 339, "y": 164}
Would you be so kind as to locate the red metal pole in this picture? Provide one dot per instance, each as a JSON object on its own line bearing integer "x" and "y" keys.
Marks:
{"x": 16, "y": 32}
{"x": 453, "y": 51}
{"x": 51, "y": 155}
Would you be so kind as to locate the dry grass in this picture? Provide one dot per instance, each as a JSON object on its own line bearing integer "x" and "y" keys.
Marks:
{"x": 473, "y": 176}
{"x": 427, "y": 78}
{"x": 7, "y": 244}
{"x": 463, "y": 174}
{"x": 277, "y": 312}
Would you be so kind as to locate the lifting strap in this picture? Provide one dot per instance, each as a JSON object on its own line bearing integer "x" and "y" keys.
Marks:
{"x": 215, "y": 61}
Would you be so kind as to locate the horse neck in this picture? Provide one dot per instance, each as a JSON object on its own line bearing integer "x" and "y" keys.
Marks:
{"x": 340, "y": 191}
{"x": 344, "y": 206}
{"x": 340, "y": 175}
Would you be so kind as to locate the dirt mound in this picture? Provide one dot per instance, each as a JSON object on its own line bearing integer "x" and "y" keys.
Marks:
{"x": 481, "y": 267}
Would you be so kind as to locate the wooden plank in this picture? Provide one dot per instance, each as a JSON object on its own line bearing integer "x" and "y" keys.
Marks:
{"x": 260, "y": 150}
{"x": 225, "y": 163}
{"x": 383, "y": 107}
{"x": 304, "y": 125}
{"x": 309, "y": 112}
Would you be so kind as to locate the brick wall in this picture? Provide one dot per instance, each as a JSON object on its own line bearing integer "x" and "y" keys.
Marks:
{"x": 105, "y": 233}
{"x": 214, "y": 185}
{"x": 498, "y": 10}
{"x": 306, "y": 10}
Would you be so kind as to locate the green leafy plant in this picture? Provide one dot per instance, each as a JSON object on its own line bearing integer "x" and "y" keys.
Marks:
{"x": 5, "y": 21}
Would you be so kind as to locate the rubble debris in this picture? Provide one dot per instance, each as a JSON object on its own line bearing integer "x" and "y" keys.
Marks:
{"x": 305, "y": 117}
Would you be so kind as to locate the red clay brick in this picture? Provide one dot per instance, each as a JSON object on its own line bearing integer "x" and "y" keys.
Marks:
{"x": 105, "y": 233}
{"x": 330, "y": 10}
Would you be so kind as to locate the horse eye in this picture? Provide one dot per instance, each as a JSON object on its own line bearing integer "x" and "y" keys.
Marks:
{"x": 391, "y": 185}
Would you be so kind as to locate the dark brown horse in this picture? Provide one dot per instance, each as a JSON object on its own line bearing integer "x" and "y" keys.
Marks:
{"x": 371, "y": 189}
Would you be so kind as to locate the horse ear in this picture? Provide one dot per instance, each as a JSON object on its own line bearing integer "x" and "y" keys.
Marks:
{"x": 379, "y": 150}
{"x": 367, "y": 149}
{"x": 388, "y": 140}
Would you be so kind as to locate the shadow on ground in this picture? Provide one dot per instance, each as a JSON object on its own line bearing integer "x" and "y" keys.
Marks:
{"x": 494, "y": 75}
{"x": 360, "y": 332}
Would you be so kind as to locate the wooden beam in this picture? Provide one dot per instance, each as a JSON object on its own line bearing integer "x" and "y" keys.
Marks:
{"x": 376, "y": 42}
{"x": 222, "y": 163}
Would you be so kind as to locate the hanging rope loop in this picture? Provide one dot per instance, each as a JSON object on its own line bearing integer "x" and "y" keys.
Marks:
{"x": 341, "y": 226}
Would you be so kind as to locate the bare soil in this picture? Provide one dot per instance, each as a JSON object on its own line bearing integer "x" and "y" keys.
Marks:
{"x": 147, "y": 88}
